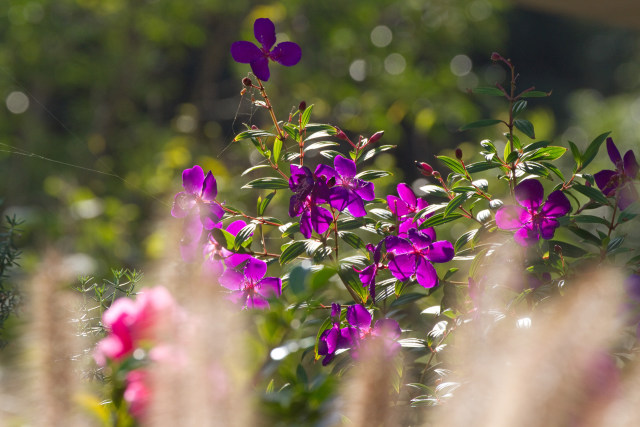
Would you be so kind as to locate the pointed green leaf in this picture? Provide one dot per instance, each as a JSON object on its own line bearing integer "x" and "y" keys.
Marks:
{"x": 439, "y": 219}
{"x": 353, "y": 240}
{"x": 592, "y": 193}
{"x": 252, "y": 133}
{"x": 452, "y": 164}
{"x": 320, "y": 145}
{"x": 292, "y": 251}
{"x": 493, "y": 91}
{"x": 553, "y": 169}
{"x": 547, "y": 153}
{"x": 306, "y": 116}
{"x": 454, "y": 204}
{"x": 253, "y": 168}
{"x": 372, "y": 174}
{"x": 244, "y": 234}
{"x": 464, "y": 239}
{"x": 518, "y": 107}
{"x": 262, "y": 206}
{"x": 268, "y": 183}
{"x": 593, "y": 148}
{"x": 534, "y": 94}
{"x": 369, "y": 154}
{"x": 526, "y": 127}
{"x": 480, "y": 124}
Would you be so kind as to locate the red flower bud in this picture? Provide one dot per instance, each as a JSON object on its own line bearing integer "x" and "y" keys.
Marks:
{"x": 495, "y": 56}
{"x": 458, "y": 154}
{"x": 425, "y": 168}
{"x": 247, "y": 82}
{"x": 302, "y": 106}
{"x": 341, "y": 135}
{"x": 557, "y": 249}
{"x": 375, "y": 137}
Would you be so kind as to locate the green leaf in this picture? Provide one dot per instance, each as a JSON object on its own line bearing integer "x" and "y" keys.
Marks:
{"x": 439, "y": 219}
{"x": 434, "y": 190}
{"x": 464, "y": 239}
{"x": 252, "y": 168}
{"x": 481, "y": 166}
{"x": 534, "y": 146}
{"x": 330, "y": 154}
{"x": 277, "y": 150}
{"x": 351, "y": 223}
{"x": 292, "y": 130}
{"x": 534, "y": 168}
{"x": 590, "y": 219}
{"x": 382, "y": 213}
{"x": 568, "y": 250}
{"x": 454, "y": 203}
{"x": 526, "y": 127}
{"x": 289, "y": 229}
{"x": 534, "y": 94}
{"x": 372, "y": 174}
{"x": 476, "y": 263}
{"x": 223, "y": 238}
{"x": 553, "y": 169}
{"x": 488, "y": 145}
{"x": 353, "y": 240}
{"x": 320, "y": 145}
{"x": 268, "y": 183}
{"x": 480, "y": 124}
{"x": 592, "y": 149}
{"x": 516, "y": 142}
{"x": 575, "y": 152}
{"x": 244, "y": 235}
{"x": 591, "y": 193}
{"x": 292, "y": 251}
{"x": 350, "y": 278}
{"x": 519, "y": 107}
{"x": 297, "y": 279}
{"x": 548, "y": 153}
{"x": 407, "y": 299}
{"x": 318, "y": 127}
{"x": 252, "y": 133}
{"x": 306, "y": 116}
{"x": 493, "y": 91}
{"x": 512, "y": 156}
{"x": 369, "y": 154}
{"x": 263, "y": 203}
{"x": 584, "y": 234}
{"x": 452, "y": 164}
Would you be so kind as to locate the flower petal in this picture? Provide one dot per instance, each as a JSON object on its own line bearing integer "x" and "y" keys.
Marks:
{"x": 286, "y": 53}
{"x": 557, "y": 205}
{"x": 265, "y": 32}
{"x": 269, "y": 287}
{"x": 235, "y": 226}
{"x": 340, "y": 198}
{"x": 397, "y": 206}
{"x": 606, "y": 182}
{"x": 192, "y": 180}
{"x": 321, "y": 219}
{"x": 387, "y": 328}
{"x": 257, "y": 302}
{"x": 328, "y": 341}
{"x": 441, "y": 251}
{"x": 260, "y": 67}
{"x": 510, "y": 217}
{"x": 306, "y": 226}
{"x": 367, "y": 275}
{"x": 613, "y": 152}
{"x": 209, "y": 188}
{"x": 358, "y": 316}
{"x": 255, "y": 269}
{"x": 407, "y": 195}
{"x": 231, "y": 280}
{"x": 211, "y": 215}
{"x": 245, "y": 52}
{"x": 346, "y": 168}
{"x": 526, "y": 236}
{"x": 356, "y": 206}
{"x": 548, "y": 228}
{"x": 326, "y": 171}
{"x": 529, "y": 194}
{"x": 426, "y": 274}
{"x": 418, "y": 240}
{"x": 630, "y": 164}
{"x": 183, "y": 202}
{"x": 403, "y": 266}
{"x": 365, "y": 189}
{"x": 627, "y": 194}
{"x": 397, "y": 245}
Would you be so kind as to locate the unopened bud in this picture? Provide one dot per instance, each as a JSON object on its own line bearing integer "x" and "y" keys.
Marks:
{"x": 376, "y": 137}
{"x": 341, "y": 135}
{"x": 425, "y": 168}
{"x": 495, "y": 56}
{"x": 247, "y": 82}
{"x": 302, "y": 106}
{"x": 557, "y": 249}
{"x": 436, "y": 174}
{"x": 254, "y": 127}
{"x": 458, "y": 154}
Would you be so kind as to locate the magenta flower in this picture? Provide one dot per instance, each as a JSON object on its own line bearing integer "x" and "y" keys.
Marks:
{"x": 197, "y": 204}
{"x": 348, "y": 192}
{"x": 405, "y": 208}
{"x": 335, "y": 338}
{"x": 251, "y": 288}
{"x": 137, "y": 392}
{"x": 216, "y": 257}
{"x": 619, "y": 183}
{"x": 368, "y": 274}
{"x": 285, "y": 53}
{"x": 534, "y": 219}
{"x": 308, "y": 193}
{"x": 385, "y": 329}
{"x": 414, "y": 256}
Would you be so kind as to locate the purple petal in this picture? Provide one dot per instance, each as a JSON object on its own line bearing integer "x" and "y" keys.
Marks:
{"x": 397, "y": 206}
{"x": 269, "y": 287}
{"x": 210, "y": 216}
{"x": 614, "y": 154}
{"x": 340, "y": 198}
{"x": 630, "y": 164}
{"x": 328, "y": 342}
{"x": 356, "y": 206}
{"x": 529, "y": 194}
{"x": 510, "y": 217}
{"x": 306, "y": 226}
{"x": 255, "y": 269}
{"x": 257, "y": 302}
{"x": 346, "y": 168}
{"x": 526, "y": 236}
{"x": 189, "y": 250}
{"x": 265, "y": 32}
{"x": 627, "y": 194}
{"x": 358, "y": 316}
{"x": 428, "y": 232}
{"x": 335, "y": 309}
{"x": 407, "y": 195}
{"x": 209, "y": 188}
{"x": 387, "y": 328}
{"x": 419, "y": 241}
{"x": 326, "y": 171}
{"x": 183, "y": 202}
{"x": 286, "y": 53}
{"x": 192, "y": 180}
{"x": 296, "y": 205}
{"x": 557, "y": 205}
{"x": 260, "y": 68}
{"x": 548, "y": 228}
{"x": 232, "y": 280}
{"x": 605, "y": 180}
{"x": 367, "y": 275}
{"x": 441, "y": 251}
{"x": 321, "y": 219}
{"x": 398, "y": 246}
{"x": 426, "y": 274}
{"x": 212, "y": 268}
{"x": 245, "y": 52}
{"x": 235, "y": 226}
{"x": 365, "y": 189}
{"x": 403, "y": 266}
{"x": 235, "y": 260}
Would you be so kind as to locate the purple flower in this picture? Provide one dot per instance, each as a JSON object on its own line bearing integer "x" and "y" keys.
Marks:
{"x": 368, "y": 274}
{"x": 285, "y": 53}
{"x": 335, "y": 338}
{"x": 197, "y": 204}
{"x": 534, "y": 219}
{"x": 348, "y": 192}
{"x": 385, "y": 329}
{"x": 405, "y": 207}
{"x": 217, "y": 257}
{"x": 414, "y": 255}
{"x": 620, "y": 181}
{"x": 251, "y": 288}
{"x": 308, "y": 193}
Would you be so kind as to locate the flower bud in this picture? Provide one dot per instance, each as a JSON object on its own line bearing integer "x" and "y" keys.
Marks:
{"x": 341, "y": 135}
{"x": 302, "y": 106}
{"x": 436, "y": 174}
{"x": 557, "y": 249}
{"x": 425, "y": 168}
{"x": 495, "y": 56}
{"x": 254, "y": 127}
{"x": 247, "y": 82}
{"x": 458, "y": 154}
{"x": 375, "y": 137}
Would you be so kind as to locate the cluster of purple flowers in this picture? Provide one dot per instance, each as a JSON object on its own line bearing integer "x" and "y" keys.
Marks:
{"x": 240, "y": 273}
{"x": 357, "y": 330}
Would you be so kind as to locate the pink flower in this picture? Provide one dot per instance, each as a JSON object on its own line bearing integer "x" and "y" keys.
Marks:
{"x": 137, "y": 394}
